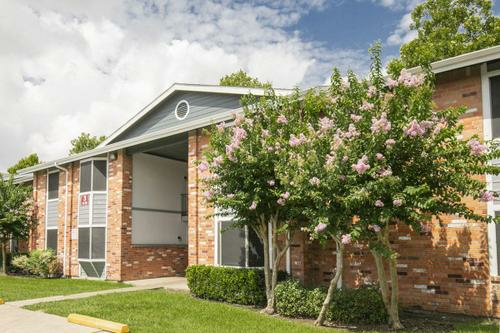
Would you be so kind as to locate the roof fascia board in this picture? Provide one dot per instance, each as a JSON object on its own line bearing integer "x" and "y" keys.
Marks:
{"x": 189, "y": 88}
{"x": 135, "y": 141}
{"x": 463, "y": 60}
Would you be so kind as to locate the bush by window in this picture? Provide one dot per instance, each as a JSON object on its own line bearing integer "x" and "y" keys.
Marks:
{"x": 244, "y": 286}
{"x": 349, "y": 306}
{"x": 42, "y": 263}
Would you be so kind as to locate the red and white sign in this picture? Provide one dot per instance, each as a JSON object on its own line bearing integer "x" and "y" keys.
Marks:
{"x": 84, "y": 200}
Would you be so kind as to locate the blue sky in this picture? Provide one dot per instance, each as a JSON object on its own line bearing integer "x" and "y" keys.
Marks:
{"x": 88, "y": 66}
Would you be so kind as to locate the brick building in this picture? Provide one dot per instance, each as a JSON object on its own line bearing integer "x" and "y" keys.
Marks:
{"x": 132, "y": 207}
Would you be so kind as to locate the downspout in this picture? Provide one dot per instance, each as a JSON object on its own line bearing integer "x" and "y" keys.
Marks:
{"x": 65, "y": 214}
{"x": 197, "y": 196}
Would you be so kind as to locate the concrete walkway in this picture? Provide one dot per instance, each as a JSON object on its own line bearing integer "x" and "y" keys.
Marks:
{"x": 16, "y": 320}
{"x": 13, "y": 319}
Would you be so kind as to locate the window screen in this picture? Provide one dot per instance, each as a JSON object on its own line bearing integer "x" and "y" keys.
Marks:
{"x": 99, "y": 181}
{"x": 53, "y": 186}
{"x": 52, "y": 239}
{"x": 84, "y": 243}
{"x": 255, "y": 250}
{"x": 98, "y": 242}
{"x": 85, "y": 176}
{"x": 232, "y": 244}
{"x": 495, "y": 105}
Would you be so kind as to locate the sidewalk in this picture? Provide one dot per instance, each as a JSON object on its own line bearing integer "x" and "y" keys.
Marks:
{"x": 16, "y": 320}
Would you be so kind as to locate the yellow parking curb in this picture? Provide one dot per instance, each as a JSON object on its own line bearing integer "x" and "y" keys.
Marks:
{"x": 2, "y": 301}
{"x": 101, "y": 324}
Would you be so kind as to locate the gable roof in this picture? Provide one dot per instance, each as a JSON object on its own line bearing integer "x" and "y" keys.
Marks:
{"x": 109, "y": 146}
{"x": 187, "y": 88}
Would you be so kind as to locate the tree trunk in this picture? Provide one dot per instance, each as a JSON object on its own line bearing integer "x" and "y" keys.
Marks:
{"x": 4, "y": 258}
{"x": 391, "y": 301}
{"x": 394, "y": 309}
{"x": 263, "y": 233}
{"x": 333, "y": 283}
{"x": 277, "y": 255}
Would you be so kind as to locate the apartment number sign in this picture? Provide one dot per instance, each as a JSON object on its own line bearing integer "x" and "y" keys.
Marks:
{"x": 84, "y": 199}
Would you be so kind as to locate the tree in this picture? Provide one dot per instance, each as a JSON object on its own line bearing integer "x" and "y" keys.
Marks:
{"x": 24, "y": 162}
{"x": 85, "y": 142}
{"x": 447, "y": 28}
{"x": 408, "y": 163}
{"x": 314, "y": 175}
{"x": 242, "y": 79}
{"x": 16, "y": 214}
{"x": 242, "y": 179}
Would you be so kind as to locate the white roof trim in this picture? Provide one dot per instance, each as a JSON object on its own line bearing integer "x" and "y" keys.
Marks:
{"x": 463, "y": 60}
{"x": 185, "y": 127}
{"x": 192, "y": 88}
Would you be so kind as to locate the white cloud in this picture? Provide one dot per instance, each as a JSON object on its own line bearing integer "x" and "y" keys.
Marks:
{"x": 402, "y": 34}
{"x": 398, "y": 4}
{"x": 73, "y": 66}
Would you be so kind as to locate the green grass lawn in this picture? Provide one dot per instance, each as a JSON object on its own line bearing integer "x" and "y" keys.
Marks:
{"x": 14, "y": 288}
{"x": 159, "y": 311}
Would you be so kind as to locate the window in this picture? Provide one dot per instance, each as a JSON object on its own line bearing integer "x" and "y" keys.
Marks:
{"x": 495, "y": 105}
{"x": 240, "y": 247}
{"x": 52, "y": 211}
{"x": 92, "y": 211}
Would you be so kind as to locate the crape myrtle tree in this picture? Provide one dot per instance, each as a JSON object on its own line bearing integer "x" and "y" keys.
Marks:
{"x": 242, "y": 162}
{"x": 16, "y": 214}
{"x": 408, "y": 163}
{"x": 315, "y": 171}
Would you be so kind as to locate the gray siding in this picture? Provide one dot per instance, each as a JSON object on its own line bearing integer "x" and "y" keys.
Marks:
{"x": 99, "y": 209}
{"x": 52, "y": 213}
{"x": 201, "y": 105}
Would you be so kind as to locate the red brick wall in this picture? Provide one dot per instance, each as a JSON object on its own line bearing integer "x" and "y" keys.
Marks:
{"x": 200, "y": 224}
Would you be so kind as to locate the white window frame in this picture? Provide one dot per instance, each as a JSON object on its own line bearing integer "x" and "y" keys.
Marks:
{"x": 47, "y": 200}
{"x": 218, "y": 244}
{"x": 90, "y": 224}
{"x": 488, "y": 135}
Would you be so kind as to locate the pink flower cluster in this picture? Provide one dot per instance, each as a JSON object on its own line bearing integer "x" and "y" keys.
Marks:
{"x": 253, "y": 206}
{"x": 355, "y": 118}
{"x": 203, "y": 166}
{"x": 410, "y": 80}
{"x": 314, "y": 181}
{"x": 487, "y": 196}
{"x": 217, "y": 161}
{"x": 325, "y": 124}
{"x": 362, "y": 165}
{"x": 379, "y": 156}
{"x": 415, "y": 129}
{"x": 381, "y": 125}
{"x": 476, "y": 148}
{"x": 320, "y": 227}
{"x": 282, "y": 199}
{"x": 379, "y": 203}
{"x": 397, "y": 202}
{"x": 371, "y": 91}
{"x": 329, "y": 159}
{"x": 352, "y": 132}
{"x": 384, "y": 172}
{"x": 367, "y": 106}
{"x": 282, "y": 119}
{"x": 295, "y": 141}
{"x": 390, "y": 142}
{"x": 221, "y": 127}
{"x": 346, "y": 239}
{"x": 238, "y": 135}
{"x": 271, "y": 182}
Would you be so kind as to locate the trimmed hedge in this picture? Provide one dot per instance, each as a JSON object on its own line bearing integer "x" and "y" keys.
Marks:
{"x": 349, "y": 306}
{"x": 244, "y": 286}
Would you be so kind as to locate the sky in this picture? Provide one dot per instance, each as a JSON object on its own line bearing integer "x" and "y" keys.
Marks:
{"x": 75, "y": 66}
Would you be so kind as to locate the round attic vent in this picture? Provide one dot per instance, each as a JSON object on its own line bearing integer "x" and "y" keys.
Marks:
{"x": 181, "y": 110}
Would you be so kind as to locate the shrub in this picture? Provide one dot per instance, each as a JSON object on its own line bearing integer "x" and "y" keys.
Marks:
{"x": 244, "y": 286}
{"x": 42, "y": 263}
{"x": 349, "y": 306}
